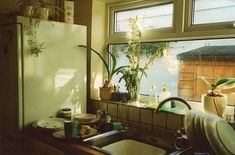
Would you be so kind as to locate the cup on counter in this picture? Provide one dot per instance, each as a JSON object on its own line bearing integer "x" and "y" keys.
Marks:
{"x": 71, "y": 129}
{"x": 66, "y": 113}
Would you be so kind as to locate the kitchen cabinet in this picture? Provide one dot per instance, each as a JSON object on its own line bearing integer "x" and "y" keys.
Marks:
{"x": 40, "y": 148}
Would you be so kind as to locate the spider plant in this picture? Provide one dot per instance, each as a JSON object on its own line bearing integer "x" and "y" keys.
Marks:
{"x": 21, "y": 3}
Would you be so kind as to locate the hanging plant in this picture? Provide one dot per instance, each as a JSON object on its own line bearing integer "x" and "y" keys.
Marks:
{"x": 34, "y": 47}
{"x": 36, "y": 10}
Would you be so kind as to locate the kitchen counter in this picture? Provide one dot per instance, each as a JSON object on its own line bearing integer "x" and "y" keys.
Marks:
{"x": 92, "y": 145}
{"x": 69, "y": 147}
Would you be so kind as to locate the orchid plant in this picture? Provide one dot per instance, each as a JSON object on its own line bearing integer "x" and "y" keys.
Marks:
{"x": 225, "y": 83}
{"x": 133, "y": 73}
{"x": 110, "y": 70}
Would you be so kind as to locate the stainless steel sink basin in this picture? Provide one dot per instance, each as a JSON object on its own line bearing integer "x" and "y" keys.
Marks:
{"x": 129, "y": 146}
{"x": 123, "y": 139}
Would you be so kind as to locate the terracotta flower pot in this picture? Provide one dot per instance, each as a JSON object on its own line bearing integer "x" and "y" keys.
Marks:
{"x": 27, "y": 11}
{"x": 215, "y": 105}
{"x": 106, "y": 93}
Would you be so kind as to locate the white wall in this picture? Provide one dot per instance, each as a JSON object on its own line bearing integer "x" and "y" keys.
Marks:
{"x": 97, "y": 43}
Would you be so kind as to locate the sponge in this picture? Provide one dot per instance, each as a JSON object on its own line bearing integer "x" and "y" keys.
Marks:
{"x": 117, "y": 125}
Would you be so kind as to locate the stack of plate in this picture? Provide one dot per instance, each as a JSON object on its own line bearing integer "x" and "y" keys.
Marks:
{"x": 209, "y": 133}
{"x": 85, "y": 118}
{"x": 51, "y": 123}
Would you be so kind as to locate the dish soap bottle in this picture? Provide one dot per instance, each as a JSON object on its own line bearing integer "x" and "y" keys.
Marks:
{"x": 165, "y": 93}
{"x": 153, "y": 96}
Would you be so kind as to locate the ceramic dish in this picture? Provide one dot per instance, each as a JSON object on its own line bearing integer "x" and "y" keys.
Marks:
{"x": 198, "y": 132}
{"x": 51, "y": 123}
{"x": 226, "y": 135}
{"x": 60, "y": 134}
{"x": 209, "y": 148}
{"x": 85, "y": 118}
{"x": 220, "y": 135}
{"x": 189, "y": 128}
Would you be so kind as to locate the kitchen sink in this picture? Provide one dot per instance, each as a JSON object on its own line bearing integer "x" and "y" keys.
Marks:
{"x": 128, "y": 141}
{"x": 129, "y": 146}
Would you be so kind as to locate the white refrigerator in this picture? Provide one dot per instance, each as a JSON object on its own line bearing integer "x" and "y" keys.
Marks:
{"x": 34, "y": 88}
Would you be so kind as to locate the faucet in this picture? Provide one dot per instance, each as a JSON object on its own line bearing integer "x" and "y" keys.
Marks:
{"x": 172, "y": 99}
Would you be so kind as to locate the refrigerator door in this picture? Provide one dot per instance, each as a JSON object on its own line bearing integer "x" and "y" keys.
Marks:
{"x": 49, "y": 79}
{"x": 35, "y": 88}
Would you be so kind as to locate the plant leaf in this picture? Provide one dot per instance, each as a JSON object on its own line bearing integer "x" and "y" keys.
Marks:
{"x": 117, "y": 70}
{"x": 208, "y": 83}
{"x": 143, "y": 71}
{"x": 105, "y": 63}
{"x": 114, "y": 64}
{"x": 225, "y": 83}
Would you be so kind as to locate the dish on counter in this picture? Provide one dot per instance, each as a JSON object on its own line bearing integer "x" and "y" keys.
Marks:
{"x": 51, "y": 123}
{"x": 60, "y": 133}
{"x": 85, "y": 118}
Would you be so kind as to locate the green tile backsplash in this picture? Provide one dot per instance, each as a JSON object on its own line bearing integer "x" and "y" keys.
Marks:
{"x": 144, "y": 119}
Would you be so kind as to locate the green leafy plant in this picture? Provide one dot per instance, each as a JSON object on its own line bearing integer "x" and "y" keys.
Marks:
{"x": 110, "y": 70}
{"x": 225, "y": 83}
{"x": 133, "y": 73}
{"x": 22, "y": 3}
{"x": 35, "y": 14}
{"x": 44, "y": 4}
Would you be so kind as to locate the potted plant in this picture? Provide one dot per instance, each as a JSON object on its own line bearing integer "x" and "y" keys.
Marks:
{"x": 36, "y": 10}
{"x": 108, "y": 88}
{"x": 25, "y": 7}
{"x": 214, "y": 101}
{"x": 133, "y": 73}
{"x": 42, "y": 9}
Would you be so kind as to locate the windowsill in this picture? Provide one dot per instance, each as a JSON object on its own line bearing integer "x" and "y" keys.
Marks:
{"x": 181, "y": 110}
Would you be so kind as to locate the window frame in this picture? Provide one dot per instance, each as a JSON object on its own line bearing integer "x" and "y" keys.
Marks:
{"x": 182, "y": 29}
{"x": 147, "y": 35}
{"x": 189, "y": 26}
{"x": 182, "y": 25}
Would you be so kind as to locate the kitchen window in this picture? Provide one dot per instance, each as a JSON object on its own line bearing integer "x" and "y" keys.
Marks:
{"x": 209, "y": 15}
{"x": 188, "y": 61}
{"x": 216, "y": 11}
{"x": 188, "y": 35}
{"x": 158, "y": 18}
{"x": 153, "y": 17}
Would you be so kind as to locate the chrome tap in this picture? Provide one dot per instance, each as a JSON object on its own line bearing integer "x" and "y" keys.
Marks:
{"x": 172, "y": 99}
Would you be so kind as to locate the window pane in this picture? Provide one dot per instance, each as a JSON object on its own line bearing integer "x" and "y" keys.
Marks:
{"x": 213, "y": 11}
{"x": 153, "y": 17}
{"x": 188, "y": 61}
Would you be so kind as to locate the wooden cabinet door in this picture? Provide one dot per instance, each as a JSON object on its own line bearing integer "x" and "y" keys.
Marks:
{"x": 40, "y": 148}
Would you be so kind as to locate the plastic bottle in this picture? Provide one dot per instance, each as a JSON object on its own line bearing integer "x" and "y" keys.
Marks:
{"x": 153, "y": 96}
{"x": 165, "y": 93}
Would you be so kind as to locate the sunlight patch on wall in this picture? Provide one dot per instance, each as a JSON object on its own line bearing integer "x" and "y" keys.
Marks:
{"x": 97, "y": 83}
{"x": 63, "y": 76}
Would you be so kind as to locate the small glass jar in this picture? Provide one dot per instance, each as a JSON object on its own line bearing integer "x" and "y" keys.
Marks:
{"x": 66, "y": 113}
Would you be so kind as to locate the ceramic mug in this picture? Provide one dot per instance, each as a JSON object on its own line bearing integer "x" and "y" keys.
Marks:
{"x": 71, "y": 129}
